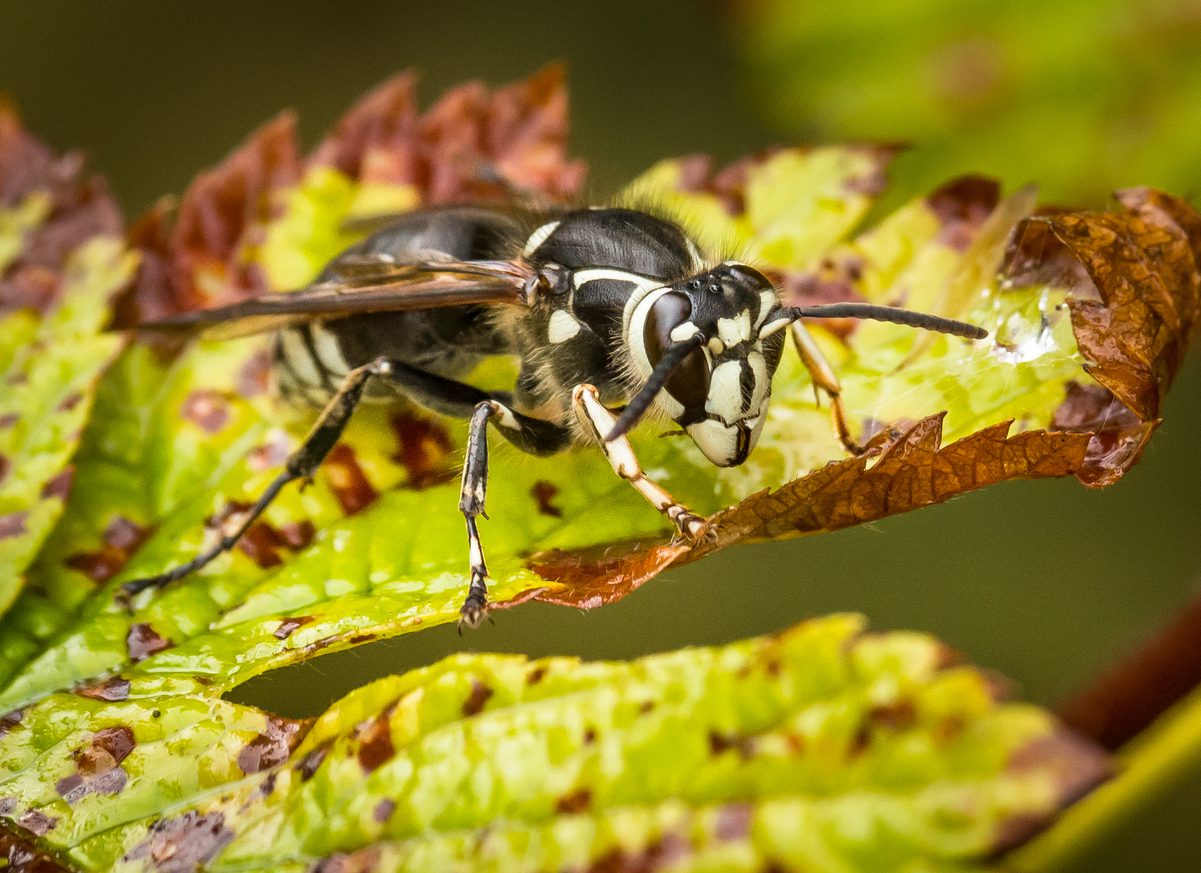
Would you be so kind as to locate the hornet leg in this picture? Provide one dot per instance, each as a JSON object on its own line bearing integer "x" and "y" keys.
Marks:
{"x": 301, "y": 465}
{"x": 529, "y": 434}
{"x": 824, "y": 378}
{"x": 621, "y": 458}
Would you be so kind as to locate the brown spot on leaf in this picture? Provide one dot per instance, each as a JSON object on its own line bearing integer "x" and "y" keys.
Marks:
{"x": 12, "y": 525}
{"x": 69, "y": 402}
{"x": 898, "y": 715}
{"x": 477, "y": 698}
{"x": 142, "y": 642}
{"x": 720, "y": 743}
{"x": 670, "y": 850}
{"x": 347, "y": 480}
{"x": 262, "y": 541}
{"x": 544, "y": 493}
{"x": 37, "y": 823}
{"x": 425, "y": 450}
{"x": 375, "y": 741}
{"x": 207, "y": 409}
{"x": 18, "y": 855}
{"x": 589, "y": 736}
{"x": 119, "y": 541}
{"x": 10, "y": 720}
{"x": 5, "y": 466}
{"x": 962, "y": 206}
{"x": 383, "y": 810}
{"x": 574, "y": 802}
{"x": 273, "y": 746}
{"x": 733, "y": 821}
{"x": 59, "y": 485}
{"x": 298, "y": 535}
{"x": 254, "y": 376}
{"x": 363, "y": 861}
{"x": 309, "y": 763}
{"x": 269, "y": 456}
{"x": 182, "y": 844}
{"x": 110, "y": 690}
{"x": 1075, "y": 767}
{"x": 536, "y": 675}
{"x": 289, "y": 625}
{"x": 8, "y": 419}
{"x": 7, "y": 804}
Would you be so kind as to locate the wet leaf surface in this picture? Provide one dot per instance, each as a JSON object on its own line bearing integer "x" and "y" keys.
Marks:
{"x": 1089, "y": 315}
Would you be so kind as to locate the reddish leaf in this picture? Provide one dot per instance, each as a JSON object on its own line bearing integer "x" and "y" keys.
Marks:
{"x": 1135, "y": 295}
{"x": 80, "y": 207}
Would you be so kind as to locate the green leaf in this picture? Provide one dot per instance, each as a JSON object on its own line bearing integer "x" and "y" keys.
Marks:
{"x": 737, "y": 756}
{"x": 51, "y": 365}
{"x": 115, "y": 713}
{"x": 196, "y": 439}
{"x": 981, "y": 87}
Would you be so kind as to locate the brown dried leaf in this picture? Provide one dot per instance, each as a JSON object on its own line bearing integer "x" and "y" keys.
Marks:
{"x": 76, "y": 206}
{"x": 1135, "y": 294}
{"x": 451, "y": 154}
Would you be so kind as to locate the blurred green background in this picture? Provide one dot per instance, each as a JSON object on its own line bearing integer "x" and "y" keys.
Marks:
{"x": 1045, "y": 581}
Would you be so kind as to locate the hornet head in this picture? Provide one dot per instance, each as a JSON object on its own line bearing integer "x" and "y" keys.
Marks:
{"x": 708, "y": 346}
{"x": 701, "y": 347}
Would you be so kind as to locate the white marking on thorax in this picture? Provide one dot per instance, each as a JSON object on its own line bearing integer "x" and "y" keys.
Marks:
{"x": 591, "y": 274}
{"x": 562, "y": 327}
{"x": 538, "y": 237}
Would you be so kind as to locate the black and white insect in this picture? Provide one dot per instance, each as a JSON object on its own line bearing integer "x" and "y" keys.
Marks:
{"x": 614, "y": 314}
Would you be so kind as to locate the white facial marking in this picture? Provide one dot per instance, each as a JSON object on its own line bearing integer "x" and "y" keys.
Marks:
{"x": 725, "y": 391}
{"x": 767, "y": 299}
{"x": 716, "y": 346}
{"x": 716, "y": 441}
{"x": 733, "y": 331}
{"x": 684, "y": 331}
{"x": 758, "y": 365}
{"x": 562, "y": 327}
{"x": 538, "y": 237}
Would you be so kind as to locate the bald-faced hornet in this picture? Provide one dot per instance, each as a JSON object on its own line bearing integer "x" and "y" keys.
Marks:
{"x": 603, "y": 308}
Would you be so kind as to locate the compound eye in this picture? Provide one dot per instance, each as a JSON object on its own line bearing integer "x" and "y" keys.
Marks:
{"x": 689, "y": 382}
